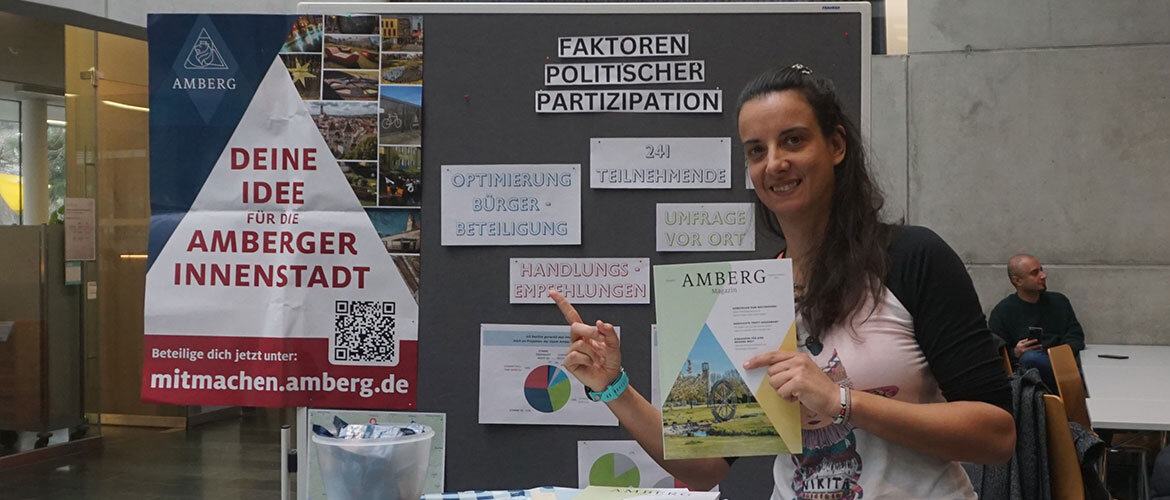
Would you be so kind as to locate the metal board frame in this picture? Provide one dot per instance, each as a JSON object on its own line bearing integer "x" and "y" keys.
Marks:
{"x": 608, "y": 8}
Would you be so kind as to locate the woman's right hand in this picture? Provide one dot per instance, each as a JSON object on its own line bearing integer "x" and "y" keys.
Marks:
{"x": 595, "y": 355}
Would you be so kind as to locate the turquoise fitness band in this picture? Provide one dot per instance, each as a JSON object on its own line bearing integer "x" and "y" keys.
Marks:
{"x": 611, "y": 392}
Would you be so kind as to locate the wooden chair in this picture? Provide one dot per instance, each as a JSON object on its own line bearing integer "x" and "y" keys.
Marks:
{"x": 1069, "y": 384}
{"x": 1064, "y": 468}
{"x": 1007, "y": 360}
{"x": 1072, "y": 394}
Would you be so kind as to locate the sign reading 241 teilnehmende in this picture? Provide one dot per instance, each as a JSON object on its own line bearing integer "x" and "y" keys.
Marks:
{"x": 268, "y": 284}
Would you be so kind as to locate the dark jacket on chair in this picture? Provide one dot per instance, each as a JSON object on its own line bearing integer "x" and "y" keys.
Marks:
{"x": 1090, "y": 451}
{"x": 1026, "y": 476}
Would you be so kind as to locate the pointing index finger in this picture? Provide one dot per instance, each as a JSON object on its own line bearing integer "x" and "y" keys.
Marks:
{"x": 768, "y": 358}
{"x": 566, "y": 308}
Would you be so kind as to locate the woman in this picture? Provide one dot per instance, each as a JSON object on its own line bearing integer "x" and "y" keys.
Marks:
{"x": 896, "y": 374}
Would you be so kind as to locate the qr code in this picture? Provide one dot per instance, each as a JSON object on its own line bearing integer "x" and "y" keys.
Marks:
{"x": 363, "y": 333}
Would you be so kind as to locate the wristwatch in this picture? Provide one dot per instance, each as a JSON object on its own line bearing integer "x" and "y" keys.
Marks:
{"x": 612, "y": 391}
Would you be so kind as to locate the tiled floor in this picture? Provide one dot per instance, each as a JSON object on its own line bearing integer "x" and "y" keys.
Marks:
{"x": 236, "y": 459}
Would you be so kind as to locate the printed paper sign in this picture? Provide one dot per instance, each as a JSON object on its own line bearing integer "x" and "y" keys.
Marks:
{"x": 624, "y": 73}
{"x": 582, "y": 281}
{"x": 706, "y": 227}
{"x": 436, "y": 466}
{"x": 268, "y": 284}
{"x": 660, "y": 163}
{"x": 511, "y": 205}
{"x": 712, "y": 317}
{"x": 522, "y": 379}
{"x": 621, "y": 464}
{"x": 624, "y": 45}
{"x": 80, "y": 243}
{"x": 629, "y": 101}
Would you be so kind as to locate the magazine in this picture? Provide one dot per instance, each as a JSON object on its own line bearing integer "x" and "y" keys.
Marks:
{"x": 712, "y": 317}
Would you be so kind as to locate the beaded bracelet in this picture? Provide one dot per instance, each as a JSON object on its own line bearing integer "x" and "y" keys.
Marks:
{"x": 846, "y": 406}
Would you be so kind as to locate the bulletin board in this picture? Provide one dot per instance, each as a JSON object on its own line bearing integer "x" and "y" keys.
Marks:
{"x": 483, "y": 68}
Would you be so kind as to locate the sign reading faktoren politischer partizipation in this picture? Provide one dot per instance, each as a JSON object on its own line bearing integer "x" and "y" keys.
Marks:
{"x": 624, "y": 72}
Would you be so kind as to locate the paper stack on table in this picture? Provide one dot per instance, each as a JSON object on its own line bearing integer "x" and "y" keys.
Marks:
{"x": 621, "y": 493}
{"x": 541, "y": 493}
{"x": 589, "y": 493}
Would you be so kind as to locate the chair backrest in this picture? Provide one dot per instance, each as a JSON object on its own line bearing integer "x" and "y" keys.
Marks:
{"x": 1064, "y": 469}
{"x": 1007, "y": 360}
{"x": 1069, "y": 384}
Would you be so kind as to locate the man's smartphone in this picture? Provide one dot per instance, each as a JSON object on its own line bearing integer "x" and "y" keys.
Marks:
{"x": 1034, "y": 332}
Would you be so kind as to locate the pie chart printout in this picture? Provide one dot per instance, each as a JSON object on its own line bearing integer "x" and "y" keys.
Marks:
{"x": 615, "y": 469}
{"x": 547, "y": 388}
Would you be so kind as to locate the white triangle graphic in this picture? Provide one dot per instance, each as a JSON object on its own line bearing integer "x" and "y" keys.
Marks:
{"x": 204, "y": 54}
{"x": 175, "y": 305}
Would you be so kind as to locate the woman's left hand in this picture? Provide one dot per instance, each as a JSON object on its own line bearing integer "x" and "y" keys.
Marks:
{"x": 796, "y": 377}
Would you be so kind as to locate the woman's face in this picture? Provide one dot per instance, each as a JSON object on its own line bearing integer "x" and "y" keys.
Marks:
{"x": 790, "y": 161}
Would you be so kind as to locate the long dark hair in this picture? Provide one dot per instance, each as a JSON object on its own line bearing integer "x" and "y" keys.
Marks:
{"x": 850, "y": 260}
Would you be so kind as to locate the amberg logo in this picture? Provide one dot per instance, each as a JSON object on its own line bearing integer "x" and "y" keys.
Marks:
{"x": 204, "y": 54}
{"x": 204, "y": 67}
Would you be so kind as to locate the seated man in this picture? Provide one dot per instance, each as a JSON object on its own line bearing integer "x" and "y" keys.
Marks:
{"x": 1034, "y": 319}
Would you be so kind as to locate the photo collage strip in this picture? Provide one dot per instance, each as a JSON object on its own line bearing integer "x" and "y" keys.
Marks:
{"x": 361, "y": 77}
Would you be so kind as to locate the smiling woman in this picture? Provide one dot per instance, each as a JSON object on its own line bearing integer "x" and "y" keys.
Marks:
{"x": 876, "y": 386}
{"x": 896, "y": 374}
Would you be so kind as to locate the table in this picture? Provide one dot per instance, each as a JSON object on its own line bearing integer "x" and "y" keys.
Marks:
{"x": 1128, "y": 394}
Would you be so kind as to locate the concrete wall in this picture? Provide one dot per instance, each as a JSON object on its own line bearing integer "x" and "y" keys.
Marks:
{"x": 1041, "y": 127}
{"x": 951, "y": 25}
{"x": 887, "y": 132}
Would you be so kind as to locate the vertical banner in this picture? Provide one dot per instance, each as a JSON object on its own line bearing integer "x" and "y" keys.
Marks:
{"x": 271, "y": 280}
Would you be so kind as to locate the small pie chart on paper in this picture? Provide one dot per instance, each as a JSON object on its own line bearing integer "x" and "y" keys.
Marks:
{"x": 615, "y": 469}
{"x": 522, "y": 379}
{"x": 547, "y": 388}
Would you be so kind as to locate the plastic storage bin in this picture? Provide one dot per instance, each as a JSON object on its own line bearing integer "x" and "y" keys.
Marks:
{"x": 384, "y": 468}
